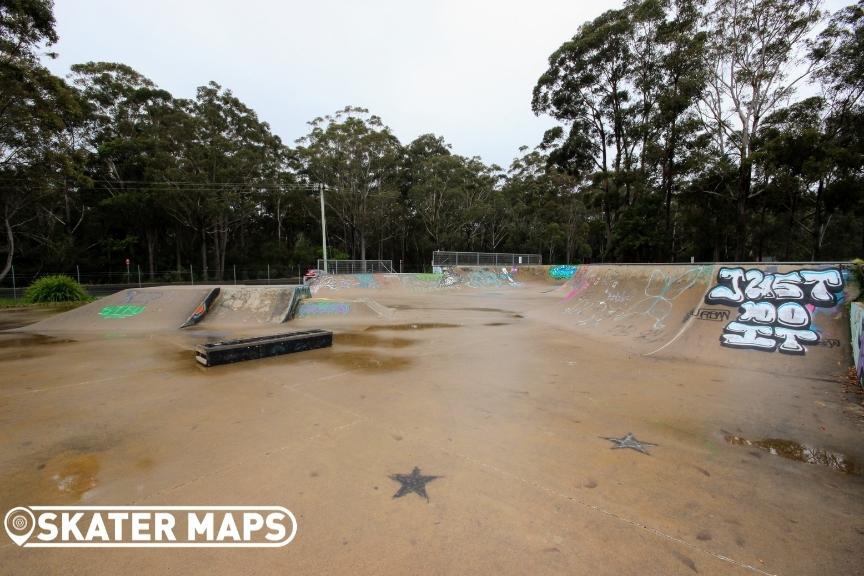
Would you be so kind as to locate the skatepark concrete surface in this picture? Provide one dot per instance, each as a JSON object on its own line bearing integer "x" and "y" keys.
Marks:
{"x": 506, "y": 384}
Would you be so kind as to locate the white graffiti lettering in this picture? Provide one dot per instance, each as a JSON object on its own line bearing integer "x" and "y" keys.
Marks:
{"x": 792, "y": 339}
{"x": 749, "y": 336}
{"x": 775, "y": 310}
{"x": 759, "y": 312}
{"x": 731, "y": 294}
{"x": 825, "y": 283}
{"x": 786, "y": 286}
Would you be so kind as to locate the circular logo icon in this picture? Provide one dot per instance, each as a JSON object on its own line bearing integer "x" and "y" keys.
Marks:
{"x": 19, "y": 523}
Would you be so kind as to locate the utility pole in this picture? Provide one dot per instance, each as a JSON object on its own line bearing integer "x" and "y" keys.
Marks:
{"x": 323, "y": 228}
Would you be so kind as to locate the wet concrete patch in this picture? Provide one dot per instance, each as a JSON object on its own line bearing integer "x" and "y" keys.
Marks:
{"x": 408, "y": 307}
{"x": 361, "y": 339}
{"x": 71, "y": 474}
{"x": 800, "y": 452}
{"x": 686, "y": 560}
{"x": 414, "y": 326}
{"x": 21, "y": 346}
{"x": 15, "y": 340}
{"x": 365, "y": 361}
{"x": 11, "y": 318}
{"x": 62, "y": 477}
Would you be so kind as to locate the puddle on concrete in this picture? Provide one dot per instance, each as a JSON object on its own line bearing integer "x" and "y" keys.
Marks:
{"x": 366, "y": 361}
{"x": 16, "y": 346}
{"x": 801, "y": 453}
{"x": 18, "y": 317}
{"x": 362, "y": 339}
{"x": 415, "y": 326}
{"x": 16, "y": 340}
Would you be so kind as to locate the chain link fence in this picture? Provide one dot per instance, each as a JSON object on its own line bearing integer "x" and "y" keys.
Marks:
{"x": 442, "y": 259}
{"x": 104, "y": 282}
{"x": 356, "y": 266}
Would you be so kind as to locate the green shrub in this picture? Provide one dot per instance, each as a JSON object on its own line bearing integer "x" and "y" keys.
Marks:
{"x": 55, "y": 289}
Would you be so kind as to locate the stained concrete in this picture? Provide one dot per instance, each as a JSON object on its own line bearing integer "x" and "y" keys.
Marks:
{"x": 499, "y": 391}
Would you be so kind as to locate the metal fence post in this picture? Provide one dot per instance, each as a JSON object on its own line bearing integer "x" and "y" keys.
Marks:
{"x": 191, "y": 276}
{"x": 139, "y": 276}
{"x": 14, "y": 287}
{"x": 235, "y": 274}
{"x": 268, "y": 273}
{"x": 78, "y": 273}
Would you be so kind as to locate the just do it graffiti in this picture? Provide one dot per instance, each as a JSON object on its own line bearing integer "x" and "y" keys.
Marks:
{"x": 775, "y": 310}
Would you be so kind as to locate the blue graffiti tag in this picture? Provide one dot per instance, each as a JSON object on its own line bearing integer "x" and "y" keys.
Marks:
{"x": 562, "y": 272}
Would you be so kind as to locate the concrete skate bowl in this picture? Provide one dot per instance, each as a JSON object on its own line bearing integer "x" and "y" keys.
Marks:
{"x": 464, "y": 278}
{"x": 782, "y": 318}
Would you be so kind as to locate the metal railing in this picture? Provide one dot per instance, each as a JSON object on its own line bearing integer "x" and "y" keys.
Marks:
{"x": 356, "y": 266}
{"x": 441, "y": 258}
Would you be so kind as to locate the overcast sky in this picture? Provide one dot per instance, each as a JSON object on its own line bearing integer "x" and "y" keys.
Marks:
{"x": 463, "y": 69}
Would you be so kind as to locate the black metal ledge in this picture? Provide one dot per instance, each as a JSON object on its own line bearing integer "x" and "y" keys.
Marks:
{"x": 242, "y": 349}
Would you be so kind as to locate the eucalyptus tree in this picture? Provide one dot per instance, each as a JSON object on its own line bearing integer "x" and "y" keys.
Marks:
{"x": 232, "y": 157}
{"x": 34, "y": 107}
{"x": 357, "y": 158}
{"x": 757, "y": 57}
{"x": 839, "y": 54}
{"x": 681, "y": 75}
{"x": 131, "y": 125}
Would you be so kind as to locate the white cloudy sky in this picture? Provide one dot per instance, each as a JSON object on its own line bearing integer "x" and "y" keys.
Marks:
{"x": 463, "y": 69}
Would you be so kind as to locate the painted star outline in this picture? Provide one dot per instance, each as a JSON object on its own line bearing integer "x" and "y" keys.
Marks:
{"x": 414, "y": 482}
{"x": 629, "y": 441}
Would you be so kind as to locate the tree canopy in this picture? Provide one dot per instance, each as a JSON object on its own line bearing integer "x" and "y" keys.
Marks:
{"x": 679, "y": 129}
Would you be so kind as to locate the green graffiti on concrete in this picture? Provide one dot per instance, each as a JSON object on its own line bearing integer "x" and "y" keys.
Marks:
{"x": 121, "y": 311}
{"x": 429, "y": 277}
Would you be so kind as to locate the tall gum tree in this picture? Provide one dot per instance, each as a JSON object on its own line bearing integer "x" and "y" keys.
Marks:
{"x": 757, "y": 57}
{"x": 34, "y": 108}
{"x": 356, "y": 156}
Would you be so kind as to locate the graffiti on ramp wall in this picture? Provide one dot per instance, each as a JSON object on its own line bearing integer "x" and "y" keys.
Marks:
{"x": 121, "y": 311}
{"x": 134, "y": 303}
{"x": 775, "y": 310}
{"x": 562, "y": 272}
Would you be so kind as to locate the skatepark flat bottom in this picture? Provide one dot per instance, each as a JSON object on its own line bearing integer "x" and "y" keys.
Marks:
{"x": 510, "y": 410}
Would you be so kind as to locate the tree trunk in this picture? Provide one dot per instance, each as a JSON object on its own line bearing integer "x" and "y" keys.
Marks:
{"x": 744, "y": 177}
{"x": 817, "y": 224}
{"x": 203, "y": 254}
{"x": 177, "y": 253}
{"x": 790, "y": 226}
{"x": 151, "y": 252}
{"x": 668, "y": 179}
{"x": 223, "y": 251}
{"x": 10, "y": 240}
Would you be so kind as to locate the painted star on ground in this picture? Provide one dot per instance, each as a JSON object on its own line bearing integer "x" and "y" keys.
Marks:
{"x": 414, "y": 482}
{"x": 630, "y": 441}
